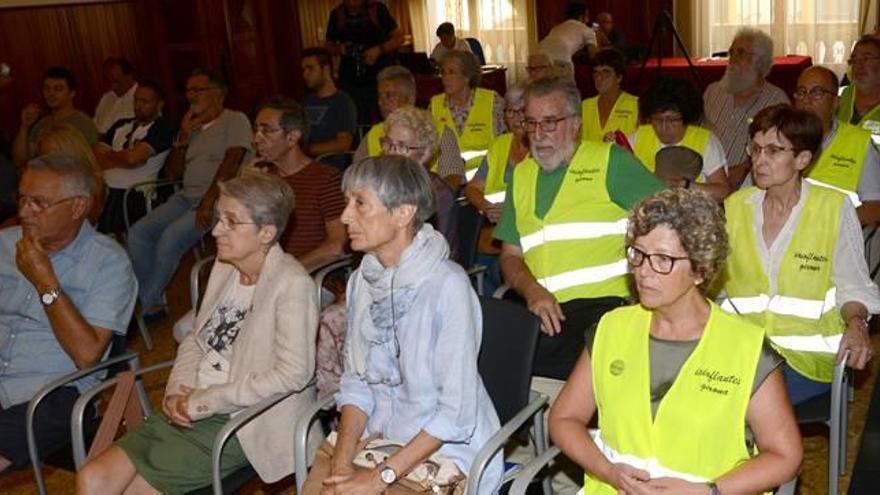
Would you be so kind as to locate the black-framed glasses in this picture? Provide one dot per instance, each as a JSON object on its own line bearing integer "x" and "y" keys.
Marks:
{"x": 39, "y": 205}
{"x": 546, "y": 125}
{"x": 666, "y": 120}
{"x": 398, "y": 146}
{"x": 814, "y": 93}
{"x": 754, "y": 150}
{"x": 659, "y": 262}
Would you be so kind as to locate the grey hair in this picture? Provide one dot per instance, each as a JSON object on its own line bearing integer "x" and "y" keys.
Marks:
{"x": 293, "y": 117}
{"x": 396, "y": 180}
{"x": 762, "y": 45}
{"x": 514, "y": 94}
{"x": 548, "y": 85}
{"x": 468, "y": 64}
{"x": 76, "y": 176}
{"x": 419, "y": 121}
{"x": 402, "y": 76}
{"x": 267, "y": 199}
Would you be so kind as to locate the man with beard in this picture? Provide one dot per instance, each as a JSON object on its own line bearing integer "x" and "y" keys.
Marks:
{"x": 860, "y": 101}
{"x": 731, "y": 103}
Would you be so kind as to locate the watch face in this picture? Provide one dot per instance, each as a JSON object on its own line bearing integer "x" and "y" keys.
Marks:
{"x": 49, "y": 297}
{"x": 388, "y": 476}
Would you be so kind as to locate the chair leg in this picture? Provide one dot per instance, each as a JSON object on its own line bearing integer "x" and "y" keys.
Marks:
{"x": 844, "y": 420}
{"x": 145, "y": 332}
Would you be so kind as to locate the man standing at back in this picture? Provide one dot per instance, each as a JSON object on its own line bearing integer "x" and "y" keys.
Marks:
{"x": 117, "y": 103}
{"x": 731, "y": 103}
{"x": 209, "y": 148}
{"x": 332, "y": 113}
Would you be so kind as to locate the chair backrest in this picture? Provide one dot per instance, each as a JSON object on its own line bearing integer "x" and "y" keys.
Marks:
{"x": 338, "y": 160}
{"x": 510, "y": 338}
{"x": 470, "y": 221}
{"x": 477, "y": 48}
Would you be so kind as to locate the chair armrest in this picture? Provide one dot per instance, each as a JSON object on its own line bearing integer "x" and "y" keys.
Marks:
{"x": 147, "y": 187}
{"x": 500, "y": 291}
{"x": 499, "y": 439}
{"x": 231, "y": 426}
{"x": 321, "y": 272}
{"x": 76, "y": 418}
{"x": 194, "y": 280}
{"x": 301, "y": 438}
{"x": 530, "y": 470}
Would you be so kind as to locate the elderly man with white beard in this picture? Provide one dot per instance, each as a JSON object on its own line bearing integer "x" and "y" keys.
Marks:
{"x": 731, "y": 103}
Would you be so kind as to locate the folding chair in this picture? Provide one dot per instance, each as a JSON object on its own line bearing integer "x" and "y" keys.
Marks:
{"x": 470, "y": 222}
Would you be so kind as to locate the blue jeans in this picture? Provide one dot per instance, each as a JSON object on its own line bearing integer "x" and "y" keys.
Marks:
{"x": 800, "y": 388}
{"x": 157, "y": 243}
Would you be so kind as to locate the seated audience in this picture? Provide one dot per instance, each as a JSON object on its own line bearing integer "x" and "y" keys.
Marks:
{"x": 428, "y": 399}
{"x": 448, "y": 42}
{"x": 315, "y": 234}
{"x": 860, "y": 101}
{"x": 332, "y": 113}
{"x": 397, "y": 88}
{"x": 64, "y": 139}
{"x": 689, "y": 398}
{"x": 133, "y": 150}
{"x": 539, "y": 64}
{"x": 474, "y": 115}
{"x": 612, "y": 109}
{"x": 118, "y": 102}
{"x": 210, "y": 146}
{"x": 804, "y": 280}
{"x": 254, "y": 337}
{"x": 731, "y": 103}
{"x": 848, "y": 159}
{"x": 59, "y": 90}
{"x": 570, "y": 36}
{"x": 672, "y": 107}
{"x": 64, "y": 292}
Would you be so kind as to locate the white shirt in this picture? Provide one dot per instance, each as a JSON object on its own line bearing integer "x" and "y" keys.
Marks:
{"x": 123, "y": 178}
{"x": 217, "y": 338}
{"x": 849, "y": 272}
{"x": 112, "y": 107}
{"x": 440, "y": 51}
{"x": 713, "y": 158}
{"x": 566, "y": 38}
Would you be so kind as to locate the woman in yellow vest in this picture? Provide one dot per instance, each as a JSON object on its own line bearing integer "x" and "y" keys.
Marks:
{"x": 474, "y": 115}
{"x": 797, "y": 266}
{"x": 612, "y": 109}
{"x": 672, "y": 108}
{"x": 689, "y": 399}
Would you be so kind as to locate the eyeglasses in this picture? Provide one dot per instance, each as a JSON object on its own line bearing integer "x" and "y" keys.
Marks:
{"x": 739, "y": 53}
{"x": 659, "y": 262}
{"x": 228, "y": 223}
{"x": 815, "y": 93}
{"x": 199, "y": 90}
{"x": 39, "y": 205}
{"x": 864, "y": 59}
{"x": 754, "y": 150}
{"x": 398, "y": 146}
{"x": 514, "y": 111}
{"x": 546, "y": 125}
{"x": 658, "y": 121}
{"x": 536, "y": 68}
{"x": 266, "y": 130}
{"x": 603, "y": 72}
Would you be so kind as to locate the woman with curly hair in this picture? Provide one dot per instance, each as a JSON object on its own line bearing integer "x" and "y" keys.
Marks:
{"x": 689, "y": 399}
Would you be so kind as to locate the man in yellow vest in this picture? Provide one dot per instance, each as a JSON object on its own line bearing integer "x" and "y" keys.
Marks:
{"x": 860, "y": 101}
{"x": 563, "y": 222}
{"x": 848, "y": 161}
{"x": 397, "y": 89}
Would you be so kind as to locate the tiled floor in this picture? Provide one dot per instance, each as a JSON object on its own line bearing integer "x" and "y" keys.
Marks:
{"x": 812, "y": 480}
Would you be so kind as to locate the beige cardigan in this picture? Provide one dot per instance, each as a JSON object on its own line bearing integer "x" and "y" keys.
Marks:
{"x": 274, "y": 352}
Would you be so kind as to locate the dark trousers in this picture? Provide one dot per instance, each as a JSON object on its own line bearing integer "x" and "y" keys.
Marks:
{"x": 112, "y": 219}
{"x": 51, "y": 426}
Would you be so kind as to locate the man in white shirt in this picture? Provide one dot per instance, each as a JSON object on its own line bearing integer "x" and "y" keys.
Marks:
{"x": 448, "y": 42}
{"x": 570, "y": 36}
{"x": 118, "y": 103}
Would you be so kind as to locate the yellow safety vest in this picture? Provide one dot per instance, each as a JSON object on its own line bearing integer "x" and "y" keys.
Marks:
{"x": 624, "y": 117}
{"x": 478, "y": 130}
{"x": 377, "y": 132}
{"x": 495, "y": 189}
{"x": 840, "y": 164}
{"x": 648, "y": 143}
{"x": 870, "y": 121}
{"x": 576, "y": 251}
{"x": 698, "y": 433}
{"x": 801, "y": 319}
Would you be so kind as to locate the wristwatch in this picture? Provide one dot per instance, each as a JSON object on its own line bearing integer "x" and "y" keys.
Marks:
{"x": 50, "y": 296}
{"x": 387, "y": 474}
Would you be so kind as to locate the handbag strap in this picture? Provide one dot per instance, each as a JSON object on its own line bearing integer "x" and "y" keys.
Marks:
{"x": 123, "y": 404}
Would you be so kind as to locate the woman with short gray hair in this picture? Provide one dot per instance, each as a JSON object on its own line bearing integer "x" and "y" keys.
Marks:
{"x": 414, "y": 328}
{"x": 253, "y": 338}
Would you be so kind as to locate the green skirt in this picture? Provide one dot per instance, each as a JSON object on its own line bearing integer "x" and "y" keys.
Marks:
{"x": 173, "y": 459}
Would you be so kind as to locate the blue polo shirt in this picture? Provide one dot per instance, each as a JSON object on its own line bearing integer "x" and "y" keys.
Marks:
{"x": 95, "y": 273}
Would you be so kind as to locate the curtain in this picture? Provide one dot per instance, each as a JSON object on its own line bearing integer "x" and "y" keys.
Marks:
{"x": 822, "y": 29}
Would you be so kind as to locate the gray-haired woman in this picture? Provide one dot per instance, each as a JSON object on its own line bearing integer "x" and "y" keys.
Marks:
{"x": 414, "y": 329}
{"x": 254, "y": 337}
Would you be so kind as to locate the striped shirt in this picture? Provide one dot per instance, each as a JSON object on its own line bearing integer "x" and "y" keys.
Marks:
{"x": 317, "y": 191}
{"x": 730, "y": 122}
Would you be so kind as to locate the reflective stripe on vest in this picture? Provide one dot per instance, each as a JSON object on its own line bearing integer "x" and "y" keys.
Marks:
{"x": 852, "y": 195}
{"x": 648, "y": 143}
{"x": 652, "y": 466}
{"x": 811, "y": 309}
{"x": 572, "y": 231}
{"x": 582, "y": 276}
{"x": 809, "y": 343}
{"x": 497, "y": 197}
